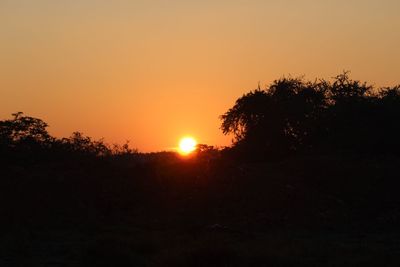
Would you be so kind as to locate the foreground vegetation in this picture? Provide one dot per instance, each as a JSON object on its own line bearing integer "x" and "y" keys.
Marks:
{"x": 326, "y": 194}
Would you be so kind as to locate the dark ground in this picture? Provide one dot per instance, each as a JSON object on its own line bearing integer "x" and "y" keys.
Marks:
{"x": 309, "y": 210}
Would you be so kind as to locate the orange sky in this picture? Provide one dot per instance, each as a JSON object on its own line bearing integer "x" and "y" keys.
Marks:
{"x": 153, "y": 71}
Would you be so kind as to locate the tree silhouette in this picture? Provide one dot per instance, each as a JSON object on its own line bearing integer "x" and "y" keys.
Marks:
{"x": 293, "y": 115}
{"x": 24, "y": 129}
{"x": 25, "y": 137}
{"x": 24, "y": 134}
{"x": 278, "y": 119}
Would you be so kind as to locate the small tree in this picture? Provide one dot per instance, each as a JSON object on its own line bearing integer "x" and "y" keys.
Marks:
{"x": 24, "y": 129}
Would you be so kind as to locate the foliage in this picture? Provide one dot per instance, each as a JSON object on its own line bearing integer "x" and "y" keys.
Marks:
{"x": 23, "y": 129}
{"x": 24, "y": 136}
{"x": 293, "y": 115}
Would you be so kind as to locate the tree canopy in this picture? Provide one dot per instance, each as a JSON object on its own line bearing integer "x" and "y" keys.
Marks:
{"x": 293, "y": 114}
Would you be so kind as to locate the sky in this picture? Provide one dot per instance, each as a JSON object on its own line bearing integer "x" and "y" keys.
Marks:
{"x": 152, "y": 71}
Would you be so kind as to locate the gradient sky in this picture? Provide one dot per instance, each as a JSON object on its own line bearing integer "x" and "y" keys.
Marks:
{"x": 152, "y": 71}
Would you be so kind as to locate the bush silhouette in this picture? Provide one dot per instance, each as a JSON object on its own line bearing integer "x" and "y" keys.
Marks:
{"x": 25, "y": 138}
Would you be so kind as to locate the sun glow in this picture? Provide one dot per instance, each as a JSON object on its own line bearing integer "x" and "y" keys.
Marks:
{"x": 187, "y": 145}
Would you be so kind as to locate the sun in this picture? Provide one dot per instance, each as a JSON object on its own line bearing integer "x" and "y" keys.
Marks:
{"x": 187, "y": 145}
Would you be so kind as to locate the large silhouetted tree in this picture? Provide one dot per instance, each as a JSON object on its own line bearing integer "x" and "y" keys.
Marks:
{"x": 293, "y": 115}
{"x": 278, "y": 119}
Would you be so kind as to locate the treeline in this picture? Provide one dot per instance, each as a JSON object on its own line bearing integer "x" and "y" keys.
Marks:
{"x": 294, "y": 115}
{"x": 26, "y": 138}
